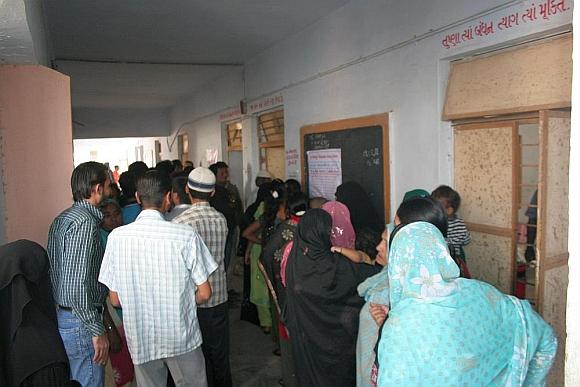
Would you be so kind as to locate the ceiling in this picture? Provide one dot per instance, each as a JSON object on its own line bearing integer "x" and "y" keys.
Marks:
{"x": 151, "y": 53}
{"x": 135, "y": 86}
{"x": 15, "y": 38}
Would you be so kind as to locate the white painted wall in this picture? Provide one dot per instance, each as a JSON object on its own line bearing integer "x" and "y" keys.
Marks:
{"x": 573, "y": 309}
{"x": 17, "y": 46}
{"x": 112, "y": 123}
{"x": 121, "y": 151}
{"x": 198, "y": 116}
{"x": 371, "y": 57}
{"x": 41, "y": 45}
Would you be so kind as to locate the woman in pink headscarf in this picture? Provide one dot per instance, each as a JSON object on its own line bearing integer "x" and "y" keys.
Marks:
{"x": 342, "y": 233}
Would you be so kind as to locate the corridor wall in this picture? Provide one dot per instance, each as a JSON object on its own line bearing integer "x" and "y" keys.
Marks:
{"x": 373, "y": 57}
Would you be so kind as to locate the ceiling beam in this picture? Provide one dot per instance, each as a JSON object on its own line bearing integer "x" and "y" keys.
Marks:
{"x": 114, "y": 61}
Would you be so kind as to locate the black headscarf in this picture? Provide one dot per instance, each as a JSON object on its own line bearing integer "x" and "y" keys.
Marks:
{"x": 323, "y": 306}
{"x": 29, "y": 337}
{"x": 366, "y": 222}
{"x": 362, "y": 213}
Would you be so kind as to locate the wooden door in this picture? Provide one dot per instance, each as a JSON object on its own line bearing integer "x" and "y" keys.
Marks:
{"x": 552, "y": 242}
{"x": 486, "y": 158}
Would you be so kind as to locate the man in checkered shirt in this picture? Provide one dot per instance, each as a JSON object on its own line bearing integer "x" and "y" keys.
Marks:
{"x": 157, "y": 271}
{"x": 75, "y": 253}
{"x": 212, "y": 227}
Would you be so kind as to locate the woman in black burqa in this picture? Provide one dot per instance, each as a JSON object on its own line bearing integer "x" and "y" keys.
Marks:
{"x": 323, "y": 306}
{"x": 31, "y": 350}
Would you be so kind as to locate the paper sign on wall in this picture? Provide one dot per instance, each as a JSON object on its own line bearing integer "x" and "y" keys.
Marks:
{"x": 211, "y": 155}
{"x": 324, "y": 172}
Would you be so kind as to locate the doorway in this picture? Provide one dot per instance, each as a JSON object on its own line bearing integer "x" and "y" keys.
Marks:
{"x": 512, "y": 174}
{"x": 233, "y": 133}
{"x": 271, "y": 142}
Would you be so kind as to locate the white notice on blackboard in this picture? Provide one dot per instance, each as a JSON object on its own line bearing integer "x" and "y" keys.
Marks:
{"x": 324, "y": 172}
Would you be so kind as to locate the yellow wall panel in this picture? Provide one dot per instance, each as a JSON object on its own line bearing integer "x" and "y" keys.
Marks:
{"x": 489, "y": 258}
{"x": 483, "y": 175}
{"x": 517, "y": 80}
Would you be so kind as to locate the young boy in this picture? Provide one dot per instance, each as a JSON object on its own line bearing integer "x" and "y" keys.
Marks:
{"x": 457, "y": 232}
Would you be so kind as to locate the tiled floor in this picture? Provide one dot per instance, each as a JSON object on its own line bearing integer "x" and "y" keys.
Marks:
{"x": 252, "y": 361}
{"x": 251, "y": 358}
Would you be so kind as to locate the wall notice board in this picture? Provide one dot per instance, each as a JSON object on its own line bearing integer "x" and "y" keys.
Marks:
{"x": 364, "y": 150}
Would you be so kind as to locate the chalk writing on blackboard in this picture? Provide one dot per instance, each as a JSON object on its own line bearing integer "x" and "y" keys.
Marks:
{"x": 319, "y": 141}
{"x": 371, "y": 156}
{"x": 362, "y": 161}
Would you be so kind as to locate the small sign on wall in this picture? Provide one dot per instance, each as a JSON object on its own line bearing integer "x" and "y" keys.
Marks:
{"x": 324, "y": 172}
{"x": 211, "y": 156}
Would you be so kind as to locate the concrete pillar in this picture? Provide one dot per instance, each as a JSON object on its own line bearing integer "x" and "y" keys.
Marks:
{"x": 36, "y": 150}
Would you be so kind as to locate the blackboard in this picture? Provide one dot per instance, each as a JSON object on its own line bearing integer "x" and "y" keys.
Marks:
{"x": 364, "y": 154}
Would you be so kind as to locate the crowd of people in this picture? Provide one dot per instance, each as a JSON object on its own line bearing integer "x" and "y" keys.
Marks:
{"x": 139, "y": 268}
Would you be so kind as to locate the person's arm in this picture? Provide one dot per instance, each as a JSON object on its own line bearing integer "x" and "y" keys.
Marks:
{"x": 251, "y": 232}
{"x": 113, "y": 334}
{"x": 114, "y": 299}
{"x": 542, "y": 358}
{"x": 461, "y": 236}
{"x": 275, "y": 242}
{"x": 79, "y": 252}
{"x": 82, "y": 241}
{"x": 203, "y": 265}
{"x": 247, "y": 254}
{"x": 355, "y": 256}
{"x": 238, "y": 202}
{"x": 379, "y": 312}
{"x": 203, "y": 292}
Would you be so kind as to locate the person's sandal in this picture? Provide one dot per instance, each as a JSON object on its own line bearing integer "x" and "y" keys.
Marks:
{"x": 277, "y": 352}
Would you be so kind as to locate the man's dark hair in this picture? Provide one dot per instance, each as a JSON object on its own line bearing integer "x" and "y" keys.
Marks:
{"x": 84, "y": 177}
{"x": 152, "y": 187}
{"x": 423, "y": 209}
{"x": 138, "y": 168}
{"x": 297, "y": 202}
{"x": 178, "y": 186}
{"x": 187, "y": 169}
{"x": 449, "y": 195}
{"x": 177, "y": 164}
{"x": 293, "y": 186}
{"x": 165, "y": 166}
{"x": 219, "y": 165}
{"x": 205, "y": 196}
{"x": 127, "y": 182}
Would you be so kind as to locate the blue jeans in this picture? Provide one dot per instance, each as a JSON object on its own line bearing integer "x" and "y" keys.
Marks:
{"x": 78, "y": 344}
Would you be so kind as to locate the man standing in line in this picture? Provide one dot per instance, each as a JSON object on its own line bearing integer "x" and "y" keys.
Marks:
{"x": 157, "y": 271}
{"x": 263, "y": 176}
{"x": 213, "y": 317}
{"x": 75, "y": 253}
{"x": 179, "y": 199}
{"x": 227, "y": 201}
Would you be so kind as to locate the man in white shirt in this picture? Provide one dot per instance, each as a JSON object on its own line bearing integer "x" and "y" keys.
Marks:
{"x": 157, "y": 271}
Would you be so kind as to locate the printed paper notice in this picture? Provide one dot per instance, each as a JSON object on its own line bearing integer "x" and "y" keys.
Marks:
{"x": 211, "y": 156}
{"x": 324, "y": 172}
